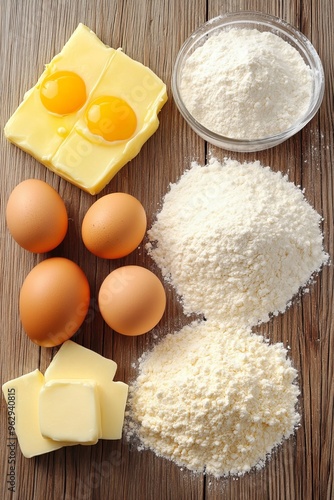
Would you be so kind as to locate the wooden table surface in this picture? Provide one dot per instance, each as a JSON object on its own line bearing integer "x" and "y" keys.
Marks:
{"x": 32, "y": 32}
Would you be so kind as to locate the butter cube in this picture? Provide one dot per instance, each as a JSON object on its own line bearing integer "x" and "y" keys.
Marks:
{"x": 64, "y": 141}
{"x": 22, "y": 395}
{"x": 74, "y": 361}
{"x": 76, "y": 402}
{"x": 69, "y": 410}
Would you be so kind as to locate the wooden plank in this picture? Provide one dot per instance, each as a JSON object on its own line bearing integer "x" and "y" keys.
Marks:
{"x": 152, "y": 32}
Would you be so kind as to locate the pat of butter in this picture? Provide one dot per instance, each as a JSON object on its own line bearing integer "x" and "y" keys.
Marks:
{"x": 22, "y": 395}
{"x": 69, "y": 410}
{"x": 74, "y": 361}
{"x": 75, "y": 403}
{"x": 65, "y": 143}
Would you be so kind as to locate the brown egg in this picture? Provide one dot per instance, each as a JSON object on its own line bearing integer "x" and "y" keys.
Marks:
{"x": 36, "y": 216}
{"x": 132, "y": 300}
{"x": 114, "y": 226}
{"x": 54, "y": 301}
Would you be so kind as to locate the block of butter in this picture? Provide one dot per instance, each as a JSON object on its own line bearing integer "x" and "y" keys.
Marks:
{"x": 90, "y": 112}
{"x": 76, "y": 402}
{"x": 74, "y": 361}
{"x": 22, "y": 395}
{"x": 69, "y": 410}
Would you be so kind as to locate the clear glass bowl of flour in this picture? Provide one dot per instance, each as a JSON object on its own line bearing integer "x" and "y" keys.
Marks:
{"x": 195, "y": 93}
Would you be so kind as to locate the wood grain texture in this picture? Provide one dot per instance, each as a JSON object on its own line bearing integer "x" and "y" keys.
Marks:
{"x": 32, "y": 32}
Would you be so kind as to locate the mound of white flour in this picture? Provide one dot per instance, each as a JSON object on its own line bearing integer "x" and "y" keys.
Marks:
{"x": 237, "y": 241}
{"x": 214, "y": 398}
{"x": 246, "y": 84}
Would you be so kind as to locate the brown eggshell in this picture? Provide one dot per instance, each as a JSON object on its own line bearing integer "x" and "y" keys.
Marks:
{"x": 54, "y": 301}
{"x": 114, "y": 226}
{"x": 36, "y": 216}
{"x": 132, "y": 300}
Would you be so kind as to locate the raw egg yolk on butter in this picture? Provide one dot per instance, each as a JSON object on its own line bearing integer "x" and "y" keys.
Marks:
{"x": 111, "y": 118}
{"x": 132, "y": 300}
{"x": 63, "y": 92}
{"x": 54, "y": 301}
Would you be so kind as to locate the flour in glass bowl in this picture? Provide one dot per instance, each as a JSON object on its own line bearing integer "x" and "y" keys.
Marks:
{"x": 246, "y": 84}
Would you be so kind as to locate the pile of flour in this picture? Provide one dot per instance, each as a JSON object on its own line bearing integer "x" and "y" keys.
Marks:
{"x": 214, "y": 398}
{"x": 246, "y": 84}
{"x": 237, "y": 241}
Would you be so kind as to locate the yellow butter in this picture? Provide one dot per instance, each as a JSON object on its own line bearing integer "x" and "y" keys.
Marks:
{"x": 76, "y": 402}
{"x": 64, "y": 143}
{"x": 25, "y": 391}
{"x": 69, "y": 411}
{"x": 40, "y": 132}
{"x": 73, "y": 361}
{"x": 92, "y": 162}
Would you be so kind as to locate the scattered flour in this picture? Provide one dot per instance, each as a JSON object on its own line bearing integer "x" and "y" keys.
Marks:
{"x": 246, "y": 84}
{"x": 214, "y": 398}
{"x": 237, "y": 241}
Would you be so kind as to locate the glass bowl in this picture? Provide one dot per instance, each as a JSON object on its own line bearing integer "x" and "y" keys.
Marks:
{"x": 261, "y": 22}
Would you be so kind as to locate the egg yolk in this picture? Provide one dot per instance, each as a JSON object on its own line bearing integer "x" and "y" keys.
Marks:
{"x": 63, "y": 92}
{"x": 111, "y": 118}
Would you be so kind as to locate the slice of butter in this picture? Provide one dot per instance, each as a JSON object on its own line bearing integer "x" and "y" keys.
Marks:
{"x": 22, "y": 395}
{"x": 65, "y": 143}
{"x": 113, "y": 397}
{"x": 69, "y": 410}
{"x": 73, "y": 361}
